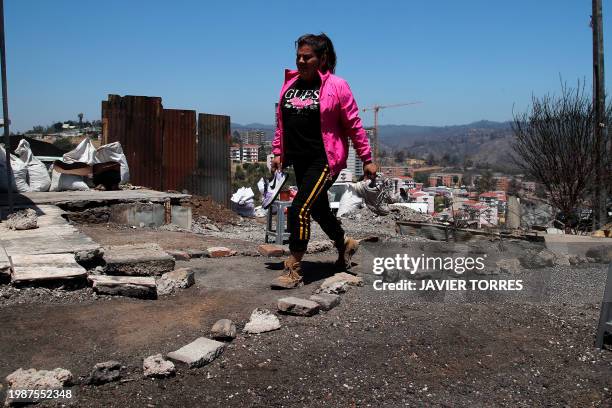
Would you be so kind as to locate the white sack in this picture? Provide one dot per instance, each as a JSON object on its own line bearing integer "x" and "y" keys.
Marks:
{"x": 84, "y": 153}
{"x": 349, "y": 202}
{"x": 114, "y": 152}
{"x": 243, "y": 202}
{"x": 67, "y": 182}
{"x": 38, "y": 175}
{"x": 19, "y": 183}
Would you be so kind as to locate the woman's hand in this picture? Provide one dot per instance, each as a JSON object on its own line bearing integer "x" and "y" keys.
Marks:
{"x": 276, "y": 164}
{"x": 369, "y": 170}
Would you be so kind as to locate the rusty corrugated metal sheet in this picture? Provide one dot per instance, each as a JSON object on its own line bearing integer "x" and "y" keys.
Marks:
{"x": 136, "y": 123}
{"x": 213, "y": 173}
{"x": 179, "y": 148}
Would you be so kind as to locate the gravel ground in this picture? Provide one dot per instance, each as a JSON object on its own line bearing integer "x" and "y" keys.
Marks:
{"x": 377, "y": 348}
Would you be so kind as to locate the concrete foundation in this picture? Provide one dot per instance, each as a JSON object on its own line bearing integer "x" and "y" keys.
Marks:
{"x": 181, "y": 216}
{"x": 138, "y": 214}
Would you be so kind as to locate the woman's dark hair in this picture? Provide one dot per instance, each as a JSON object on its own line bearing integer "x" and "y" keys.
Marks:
{"x": 322, "y": 46}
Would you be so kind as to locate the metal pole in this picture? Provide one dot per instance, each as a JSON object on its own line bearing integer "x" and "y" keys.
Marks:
{"x": 600, "y": 126}
{"x": 7, "y": 137}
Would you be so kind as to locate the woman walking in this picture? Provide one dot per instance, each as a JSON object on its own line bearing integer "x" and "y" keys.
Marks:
{"x": 317, "y": 115}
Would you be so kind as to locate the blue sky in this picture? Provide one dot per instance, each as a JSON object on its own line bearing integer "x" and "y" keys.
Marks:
{"x": 466, "y": 61}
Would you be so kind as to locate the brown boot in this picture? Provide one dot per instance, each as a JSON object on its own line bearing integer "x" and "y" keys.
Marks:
{"x": 291, "y": 277}
{"x": 346, "y": 252}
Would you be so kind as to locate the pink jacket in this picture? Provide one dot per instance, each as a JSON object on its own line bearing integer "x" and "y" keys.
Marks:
{"x": 339, "y": 120}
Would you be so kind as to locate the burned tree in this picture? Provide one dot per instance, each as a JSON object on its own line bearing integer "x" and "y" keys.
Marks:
{"x": 555, "y": 144}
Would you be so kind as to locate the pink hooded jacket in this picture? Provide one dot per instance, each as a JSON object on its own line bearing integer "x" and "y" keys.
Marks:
{"x": 339, "y": 120}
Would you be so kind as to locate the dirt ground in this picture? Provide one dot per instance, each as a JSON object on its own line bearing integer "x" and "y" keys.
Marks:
{"x": 376, "y": 349}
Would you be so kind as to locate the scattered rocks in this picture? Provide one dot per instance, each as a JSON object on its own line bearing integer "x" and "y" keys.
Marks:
{"x": 132, "y": 286}
{"x": 169, "y": 282}
{"x": 532, "y": 259}
{"x": 32, "y": 379}
{"x": 105, "y": 372}
{"x": 219, "y": 252}
{"x": 326, "y": 301}
{"x": 212, "y": 227}
{"x": 261, "y": 321}
{"x": 157, "y": 367}
{"x": 137, "y": 260}
{"x": 198, "y": 353}
{"x": 333, "y": 288}
{"x": 223, "y": 330}
{"x": 343, "y": 276}
{"x": 270, "y": 250}
{"x": 179, "y": 255}
{"x": 22, "y": 220}
{"x": 602, "y": 254}
{"x": 296, "y": 306}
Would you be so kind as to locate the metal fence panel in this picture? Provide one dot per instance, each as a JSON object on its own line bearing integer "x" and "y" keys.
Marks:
{"x": 213, "y": 173}
{"x": 136, "y": 123}
{"x": 179, "y": 148}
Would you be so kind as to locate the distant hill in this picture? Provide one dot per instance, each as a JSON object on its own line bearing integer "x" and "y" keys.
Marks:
{"x": 482, "y": 142}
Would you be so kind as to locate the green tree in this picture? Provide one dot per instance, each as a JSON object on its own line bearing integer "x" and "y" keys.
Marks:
{"x": 64, "y": 144}
{"x": 485, "y": 182}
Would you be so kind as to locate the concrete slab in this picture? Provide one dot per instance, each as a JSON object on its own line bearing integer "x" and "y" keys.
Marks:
{"x": 131, "y": 286}
{"x": 326, "y": 301}
{"x": 53, "y": 236}
{"x": 63, "y": 197}
{"x": 38, "y": 268}
{"x": 137, "y": 260}
{"x": 149, "y": 215}
{"x": 198, "y": 353}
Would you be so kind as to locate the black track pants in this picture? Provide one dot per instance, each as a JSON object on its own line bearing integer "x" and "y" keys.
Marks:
{"x": 313, "y": 180}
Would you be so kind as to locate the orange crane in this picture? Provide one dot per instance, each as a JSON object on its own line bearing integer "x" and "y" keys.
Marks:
{"x": 376, "y": 108}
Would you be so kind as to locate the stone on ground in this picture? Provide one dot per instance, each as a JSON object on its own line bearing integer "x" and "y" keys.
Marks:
{"x": 32, "y": 379}
{"x": 105, "y": 372}
{"x": 169, "y": 282}
{"x": 132, "y": 286}
{"x": 196, "y": 253}
{"x": 271, "y": 250}
{"x": 219, "y": 252}
{"x": 296, "y": 306}
{"x": 22, "y": 220}
{"x": 138, "y": 260}
{"x": 510, "y": 266}
{"x": 198, "y": 353}
{"x": 326, "y": 301}
{"x": 346, "y": 277}
{"x": 156, "y": 366}
{"x": 223, "y": 330}
{"x": 261, "y": 321}
{"x": 333, "y": 288}
{"x": 319, "y": 246}
{"x": 179, "y": 255}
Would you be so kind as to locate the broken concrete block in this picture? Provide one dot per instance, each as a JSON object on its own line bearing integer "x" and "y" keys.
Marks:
{"x": 296, "y": 306}
{"x": 105, "y": 372}
{"x": 22, "y": 220}
{"x": 219, "y": 252}
{"x": 333, "y": 288}
{"x": 171, "y": 281}
{"x": 137, "y": 260}
{"x": 157, "y": 367}
{"x": 37, "y": 380}
{"x": 343, "y": 277}
{"x": 138, "y": 214}
{"x": 90, "y": 255}
{"x": 223, "y": 330}
{"x": 261, "y": 321}
{"x": 198, "y": 353}
{"x": 196, "y": 253}
{"x": 270, "y": 250}
{"x": 326, "y": 301}
{"x": 132, "y": 286}
{"x": 46, "y": 267}
{"x": 179, "y": 255}
{"x": 319, "y": 246}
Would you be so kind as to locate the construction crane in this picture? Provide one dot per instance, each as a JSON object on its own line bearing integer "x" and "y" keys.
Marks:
{"x": 376, "y": 108}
